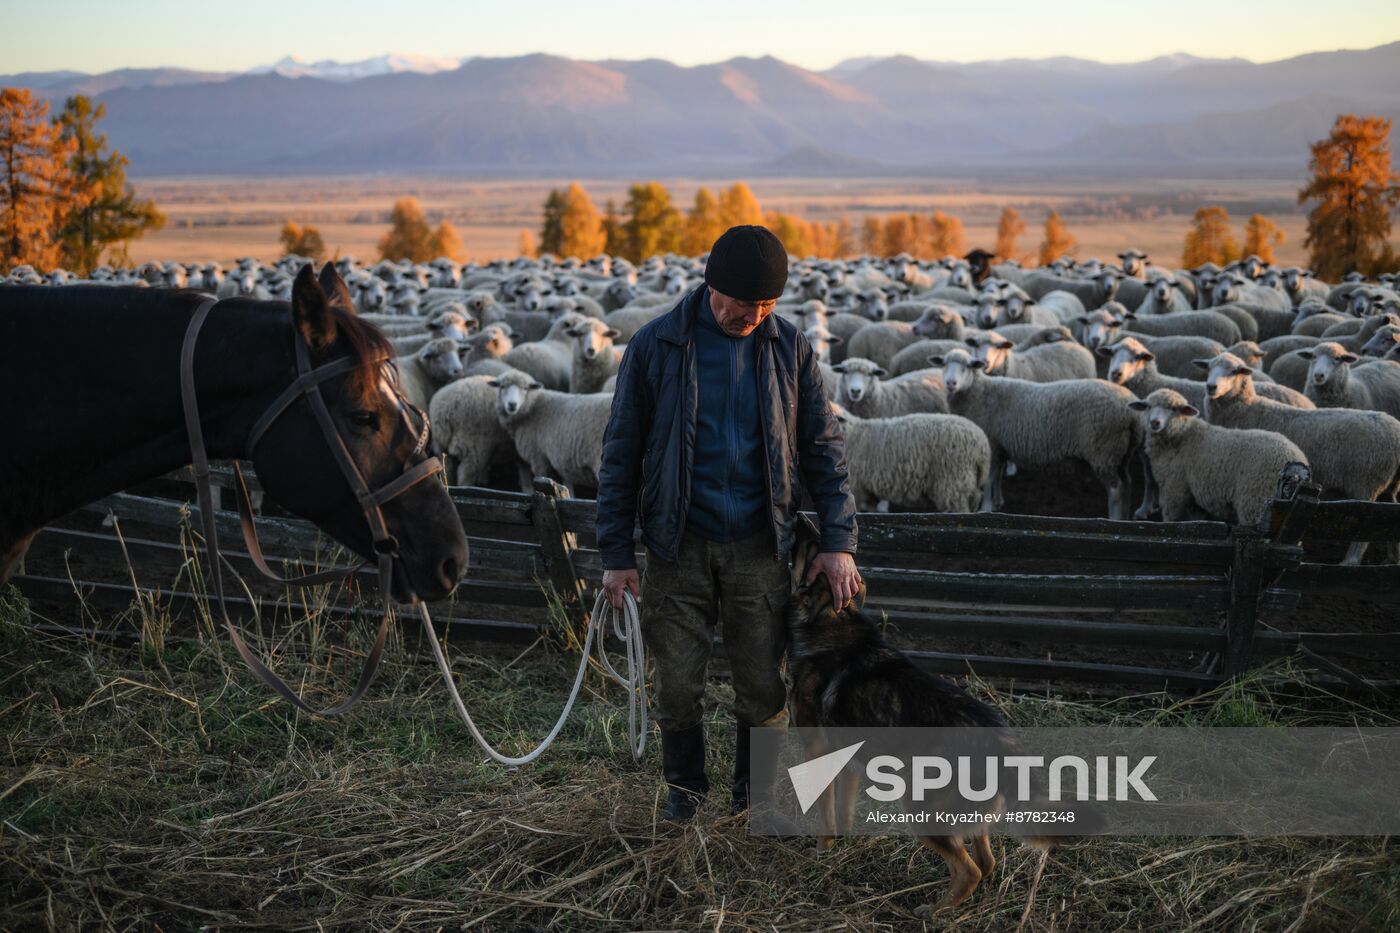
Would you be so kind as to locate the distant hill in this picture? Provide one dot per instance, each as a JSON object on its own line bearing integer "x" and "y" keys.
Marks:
{"x": 543, "y": 113}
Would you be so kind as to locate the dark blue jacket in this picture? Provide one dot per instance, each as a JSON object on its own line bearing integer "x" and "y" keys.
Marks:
{"x": 649, "y": 445}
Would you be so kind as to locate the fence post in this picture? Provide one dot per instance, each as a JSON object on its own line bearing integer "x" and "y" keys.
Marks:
{"x": 1246, "y": 583}
{"x": 557, "y": 544}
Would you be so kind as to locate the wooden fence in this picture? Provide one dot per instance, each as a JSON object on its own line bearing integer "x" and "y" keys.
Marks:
{"x": 1180, "y": 606}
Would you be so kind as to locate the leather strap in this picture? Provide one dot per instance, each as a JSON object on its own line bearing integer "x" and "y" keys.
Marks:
{"x": 307, "y": 384}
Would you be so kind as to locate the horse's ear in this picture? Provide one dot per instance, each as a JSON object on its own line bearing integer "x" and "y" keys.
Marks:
{"x": 311, "y": 312}
{"x": 334, "y": 288}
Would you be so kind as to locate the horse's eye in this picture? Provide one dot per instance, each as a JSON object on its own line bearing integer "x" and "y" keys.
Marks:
{"x": 364, "y": 419}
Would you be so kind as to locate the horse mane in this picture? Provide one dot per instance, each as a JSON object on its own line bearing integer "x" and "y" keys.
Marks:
{"x": 367, "y": 345}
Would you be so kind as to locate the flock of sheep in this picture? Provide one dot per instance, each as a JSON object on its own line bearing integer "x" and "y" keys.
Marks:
{"x": 949, "y": 376}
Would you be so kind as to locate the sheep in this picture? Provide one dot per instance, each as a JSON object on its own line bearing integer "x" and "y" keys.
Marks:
{"x": 1313, "y": 318}
{"x": 915, "y": 356}
{"x": 1383, "y": 343}
{"x": 593, "y": 358}
{"x": 1249, "y": 351}
{"x": 452, "y": 323}
{"x": 556, "y": 434}
{"x": 550, "y": 359}
{"x": 921, "y": 462}
{"x": 433, "y": 366}
{"x": 880, "y": 342}
{"x": 866, "y": 392}
{"x": 1038, "y": 424}
{"x": 1175, "y": 355}
{"x": 1211, "y": 324}
{"x": 1237, "y": 289}
{"x": 627, "y": 321}
{"x": 1163, "y": 296}
{"x": 1092, "y": 293}
{"x": 1300, "y": 285}
{"x": 1230, "y": 475}
{"x": 1291, "y": 369}
{"x": 1052, "y": 310}
{"x": 1333, "y": 382}
{"x": 467, "y": 432}
{"x": 1134, "y": 366}
{"x": 1352, "y": 452}
{"x": 486, "y": 349}
{"x": 1053, "y": 356}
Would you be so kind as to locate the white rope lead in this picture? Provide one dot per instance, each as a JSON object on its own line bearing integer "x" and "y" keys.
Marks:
{"x": 626, "y": 625}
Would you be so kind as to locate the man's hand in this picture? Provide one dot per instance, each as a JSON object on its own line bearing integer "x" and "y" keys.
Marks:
{"x": 841, "y": 574}
{"x": 615, "y": 581}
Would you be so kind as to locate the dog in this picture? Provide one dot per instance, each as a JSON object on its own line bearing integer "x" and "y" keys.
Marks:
{"x": 844, "y": 674}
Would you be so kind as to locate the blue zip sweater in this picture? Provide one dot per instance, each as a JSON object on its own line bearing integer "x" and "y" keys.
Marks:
{"x": 729, "y": 495}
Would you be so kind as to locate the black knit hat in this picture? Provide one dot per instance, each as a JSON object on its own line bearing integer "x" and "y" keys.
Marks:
{"x": 749, "y": 263}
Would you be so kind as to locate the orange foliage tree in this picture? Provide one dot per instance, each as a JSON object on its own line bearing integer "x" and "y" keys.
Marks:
{"x": 1057, "y": 242}
{"x": 1261, "y": 237}
{"x": 303, "y": 241}
{"x": 35, "y": 181}
{"x": 1010, "y": 227}
{"x": 1355, "y": 192}
{"x": 1209, "y": 239}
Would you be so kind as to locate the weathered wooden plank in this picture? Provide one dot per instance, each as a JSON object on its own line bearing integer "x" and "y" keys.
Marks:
{"x": 1039, "y": 670}
{"x": 1168, "y": 593}
{"x": 1057, "y": 631}
{"x": 1352, "y": 520}
{"x": 1375, "y": 646}
{"x": 556, "y": 543}
{"x": 876, "y": 539}
{"x": 1246, "y": 578}
{"x": 1374, "y": 583}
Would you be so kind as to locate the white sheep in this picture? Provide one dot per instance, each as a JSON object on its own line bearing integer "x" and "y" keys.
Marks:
{"x": 486, "y": 351}
{"x": 433, "y": 366}
{"x": 1039, "y": 424}
{"x": 920, "y": 462}
{"x": 1134, "y": 367}
{"x": 1163, "y": 296}
{"x": 556, "y": 434}
{"x": 467, "y": 432}
{"x": 864, "y": 390}
{"x": 880, "y": 341}
{"x": 1048, "y": 357}
{"x": 1352, "y": 452}
{"x": 549, "y": 359}
{"x": 1230, "y": 475}
{"x": 593, "y": 357}
{"x": 1334, "y": 382}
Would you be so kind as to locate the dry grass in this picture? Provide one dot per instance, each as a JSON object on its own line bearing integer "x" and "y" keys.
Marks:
{"x": 166, "y": 788}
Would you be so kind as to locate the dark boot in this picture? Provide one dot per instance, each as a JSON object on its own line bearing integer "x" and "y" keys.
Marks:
{"x": 683, "y": 767}
{"x": 739, "y": 790}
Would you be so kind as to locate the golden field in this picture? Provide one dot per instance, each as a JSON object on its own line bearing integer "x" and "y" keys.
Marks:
{"x": 224, "y": 218}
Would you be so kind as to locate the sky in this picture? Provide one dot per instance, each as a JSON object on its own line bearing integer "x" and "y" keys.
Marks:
{"x": 101, "y": 35}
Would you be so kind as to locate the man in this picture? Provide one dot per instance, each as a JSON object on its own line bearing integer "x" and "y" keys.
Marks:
{"x": 718, "y": 412}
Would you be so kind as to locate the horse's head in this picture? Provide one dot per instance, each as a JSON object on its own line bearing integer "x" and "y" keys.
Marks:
{"x": 383, "y": 435}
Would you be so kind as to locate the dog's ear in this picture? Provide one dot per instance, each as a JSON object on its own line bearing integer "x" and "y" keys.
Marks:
{"x": 806, "y": 543}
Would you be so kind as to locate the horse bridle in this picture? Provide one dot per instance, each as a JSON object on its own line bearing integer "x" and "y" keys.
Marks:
{"x": 306, "y": 386}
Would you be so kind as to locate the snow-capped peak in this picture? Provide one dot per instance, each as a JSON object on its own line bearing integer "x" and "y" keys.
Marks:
{"x": 293, "y": 66}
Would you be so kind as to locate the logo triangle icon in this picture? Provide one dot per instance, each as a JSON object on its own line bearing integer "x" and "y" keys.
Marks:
{"x": 812, "y": 777}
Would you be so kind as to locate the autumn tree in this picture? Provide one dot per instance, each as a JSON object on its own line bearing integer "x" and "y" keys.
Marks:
{"x": 1057, "y": 242}
{"x": 900, "y": 235}
{"x": 737, "y": 205}
{"x": 103, "y": 210}
{"x": 1010, "y": 227}
{"x": 1209, "y": 239}
{"x": 653, "y": 224}
{"x": 793, "y": 232}
{"x": 35, "y": 181}
{"x": 947, "y": 237}
{"x": 843, "y": 239}
{"x": 582, "y": 233}
{"x": 446, "y": 241}
{"x": 525, "y": 244}
{"x": 303, "y": 241}
{"x": 612, "y": 229}
{"x": 703, "y": 223}
{"x": 409, "y": 235}
{"x": 552, "y": 230}
{"x": 872, "y": 235}
{"x": 1261, "y": 236}
{"x": 1355, "y": 192}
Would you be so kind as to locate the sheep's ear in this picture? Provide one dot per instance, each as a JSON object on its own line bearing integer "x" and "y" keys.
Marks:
{"x": 1138, "y": 404}
{"x": 1201, "y": 364}
{"x": 1243, "y": 371}
{"x": 470, "y": 324}
{"x": 1146, "y": 355}
{"x": 937, "y": 359}
{"x": 839, "y": 368}
{"x": 534, "y": 385}
{"x": 311, "y": 312}
{"x": 1128, "y": 315}
{"x": 1082, "y": 319}
{"x": 1190, "y": 411}
{"x": 434, "y": 326}
{"x": 970, "y": 341}
{"x": 1002, "y": 343}
{"x": 1306, "y": 354}
{"x": 1348, "y": 358}
{"x": 834, "y": 340}
{"x": 977, "y": 364}
{"x": 877, "y": 371}
{"x": 612, "y": 333}
{"x": 494, "y": 383}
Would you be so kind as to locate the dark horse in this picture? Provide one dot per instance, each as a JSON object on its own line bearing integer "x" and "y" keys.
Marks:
{"x": 90, "y": 404}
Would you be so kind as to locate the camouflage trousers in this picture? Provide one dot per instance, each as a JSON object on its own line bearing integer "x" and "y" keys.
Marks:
{"x": 739, "y": 586}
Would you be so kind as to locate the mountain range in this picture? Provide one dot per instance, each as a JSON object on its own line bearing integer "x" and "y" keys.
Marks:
{"x": 540, "y": 114}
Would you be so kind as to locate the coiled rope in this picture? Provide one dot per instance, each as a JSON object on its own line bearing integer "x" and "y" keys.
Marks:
{"x": 626, "y": 625}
